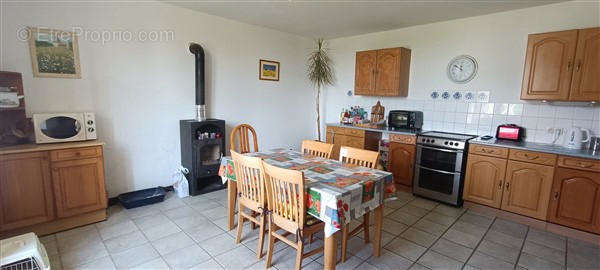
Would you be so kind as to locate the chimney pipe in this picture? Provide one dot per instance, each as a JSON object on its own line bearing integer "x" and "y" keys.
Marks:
{"x": 198, "y": 52}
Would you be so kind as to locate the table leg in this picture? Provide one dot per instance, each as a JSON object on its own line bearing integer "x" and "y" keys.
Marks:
{"x": 378, "y": 227}
{"x": 231, "y": 196}
{"x": 330, "y": 252}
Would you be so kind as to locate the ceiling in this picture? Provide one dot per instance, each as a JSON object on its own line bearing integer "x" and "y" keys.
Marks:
{"x": 339, "y": 18}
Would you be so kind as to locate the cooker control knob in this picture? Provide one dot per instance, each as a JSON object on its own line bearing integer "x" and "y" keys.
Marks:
{"x": 90, "y": 122}
{"x": 446, "y": 143}
{"x": 91, "y": 129}
{"x": 432, "y": 141}
{"x": 455, "y": 144}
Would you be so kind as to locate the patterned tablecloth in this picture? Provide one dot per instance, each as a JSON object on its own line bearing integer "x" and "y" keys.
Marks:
{"x": 336, "y": 192}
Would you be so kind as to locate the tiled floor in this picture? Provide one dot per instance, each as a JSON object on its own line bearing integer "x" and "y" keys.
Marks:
{"x": 418, "y": 234}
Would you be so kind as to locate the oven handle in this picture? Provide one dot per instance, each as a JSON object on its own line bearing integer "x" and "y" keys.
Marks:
{"x": 439, "y": 171}
{"x": 441, "y": 149}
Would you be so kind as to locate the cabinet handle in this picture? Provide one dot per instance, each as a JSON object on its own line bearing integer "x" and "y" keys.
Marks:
{"x": 500, "y": 185}
{"x": 556, "y": 195}
{"x": 578, "y": 66}
{"x": 569, "y": 65}
{"x": 507, "y": 186}
{"x": 531, "y": 157}
{"x": 584, "y": 165}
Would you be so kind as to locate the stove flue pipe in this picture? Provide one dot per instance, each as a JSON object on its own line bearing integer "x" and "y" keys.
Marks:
{"x": 198, "y": 52}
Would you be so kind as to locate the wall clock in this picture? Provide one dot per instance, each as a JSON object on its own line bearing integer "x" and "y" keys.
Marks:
{"x": 462, "y": 69}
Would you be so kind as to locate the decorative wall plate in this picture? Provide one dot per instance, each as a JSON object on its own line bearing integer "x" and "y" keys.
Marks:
{"x": 457, "y": 95}
{"x": 434, "y": 95}
{"x": 445, "y": 95}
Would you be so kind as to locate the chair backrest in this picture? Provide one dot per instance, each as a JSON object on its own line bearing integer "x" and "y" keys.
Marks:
{"x": 359, "y": 157}
{"x": 315, "y": 148}
{"x": 285, "y": 195}
{"x": 250, "y": 179}
{"x": 241, "y": 132}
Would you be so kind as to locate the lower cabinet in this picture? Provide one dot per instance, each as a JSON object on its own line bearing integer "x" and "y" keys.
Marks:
{"x": 527, "y": 189}
{"x": 401, "y": 162}
{"x": 78, "y": 186}
{"x": 25, "y": 190}
{"x": 484, "y": 180}
{"x": 575, "y": 199}
{"x": 352, "y": 137}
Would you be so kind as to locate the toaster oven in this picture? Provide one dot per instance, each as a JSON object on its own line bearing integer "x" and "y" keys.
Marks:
{"x": 398, "y": 119}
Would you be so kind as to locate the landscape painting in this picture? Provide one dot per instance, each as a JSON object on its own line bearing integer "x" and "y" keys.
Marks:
{"x": 268, "y": 70}
{"x": 54, "y": 53}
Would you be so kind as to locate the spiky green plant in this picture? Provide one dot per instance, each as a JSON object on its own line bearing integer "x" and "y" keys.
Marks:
{"x": 320, "y": 73}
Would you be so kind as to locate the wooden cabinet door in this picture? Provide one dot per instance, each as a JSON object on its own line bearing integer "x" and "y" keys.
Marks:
{"x": 586, "y": 82}
{"x": 387, "y": 73}
{"x": 25, "y": 190}
{"x": 78, "y": 186}
{"x": 527, "y": 189}
{"x": 401, "y": 162}
{"x": 364, "y": 73}
{"x": 549, "y": 65}
{"x": 336, "y": 139}
{"x": 484, "y": 180}
{"x": 576, "y": 199}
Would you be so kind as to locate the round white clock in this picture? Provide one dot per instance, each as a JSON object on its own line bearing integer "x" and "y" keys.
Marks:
{"x": 462, "y": 69}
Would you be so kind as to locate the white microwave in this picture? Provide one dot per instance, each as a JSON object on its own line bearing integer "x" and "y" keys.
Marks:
{"x": 64, "y": 127}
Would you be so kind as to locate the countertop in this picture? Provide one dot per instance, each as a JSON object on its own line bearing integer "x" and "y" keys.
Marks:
{"x": 23, "y": 148}
{"x": 382, "y": 129}
{"x": 539, "y": 147}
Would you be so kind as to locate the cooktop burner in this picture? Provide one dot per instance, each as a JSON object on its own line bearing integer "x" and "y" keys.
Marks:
{"x": 444, "y": 139}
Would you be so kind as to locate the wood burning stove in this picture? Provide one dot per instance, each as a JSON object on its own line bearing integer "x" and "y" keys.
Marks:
{"x": 202, "y": 140}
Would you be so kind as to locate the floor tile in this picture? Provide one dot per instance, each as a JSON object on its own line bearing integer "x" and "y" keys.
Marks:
{"x": 172, "y": 242}
{"x": 239, "y": 257}
{"x": 452, "y": 250}
{"x": 118, "y": 229}
{"x": 143, "y": 211}
{"x": 499, "y": 251}
{"x": 55, "y": 263}
{"x": 171, "y": 203}
{"x": 413, "y": 210}
{"x": 430, "y": 227}
{"x": 104, "y": 263}
{"x": 134, "y": 256}
{"x": 549, "y": 254}
{"x": 477, "y": 220}
{"x": 155, "y": 264}
{"x": 151, "y": 221}
{"x": 125, "y": 242}
{"x": 161, "y": 231}
{"x": 462, "y": 238}
{"x": 51, "y": 247}
{"x": 205, "y": 205}
{"x": 357, "y": 247}
{"x": 434, "y": 260}
{"x": 504, "y": 239}
{"x": 483, "y": 261}
{"x": 209, "y": 265}
{"x": 215, "y": 212}
{"x": 403, "y": 217}
{"x": 366, "y": 266}
{"x": 186, "y": 257}
{"x": 393, "y": 227}
{"x": 385, "y": 236}
{"x": 279, "y": 245}
{"x": 532, "y": 262}
{"x": 395, "y": 204}
{"x": 114, "y": 217}
{"x": 469, "y": 228}
{"x": 351, "y": 263}
{"x": 509, "y": 228}
{"x": 417, "y": 266}
{"x": 180, "y": 212}
{"x": 449, "y": 210}
{"x": 582, "y": 255}
{"x": 203, "y": 231}
{"x": 83, "y": 255}
{"x": 75, "y": 231}
{"x": 440, "y": 218}
{"x": 423, "y": 203}
{"x": 390, "y": 261}
{"x": 406, "y": 248}
{"x": 420, "y": 237}
{"x": 247, "y": 232}
{"x": 78, "y": 241}
{"x": 218, "y": 244}
{"x": 547, "y": 239}
{"x": 190, "y": 221}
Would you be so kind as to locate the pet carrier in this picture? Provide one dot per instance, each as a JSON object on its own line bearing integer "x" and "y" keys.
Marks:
{"x": 23, "y": 252}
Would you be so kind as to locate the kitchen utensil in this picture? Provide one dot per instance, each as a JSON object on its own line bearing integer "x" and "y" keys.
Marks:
{"x": 574, "y": 137}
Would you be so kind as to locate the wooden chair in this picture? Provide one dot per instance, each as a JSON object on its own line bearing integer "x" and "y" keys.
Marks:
{"x": 250, "y": 180}
{"x": 315, "y": 148}
{"x": 241, "y": 132}
{"x": 287, "y": 209}
{"x": 363, "y": 158}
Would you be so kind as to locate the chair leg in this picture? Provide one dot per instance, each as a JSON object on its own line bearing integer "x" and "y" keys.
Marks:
{"x": 270, "y": 246}
{"x": 254, "y": 214}
{"x": 299, "y": 253}
{"x": 240, "y": 223}
{"x": 310, "y": 239}
{"x": 261, "y": 236}
{"x": 366, "y": 227}
{"x": 345, "y": 229}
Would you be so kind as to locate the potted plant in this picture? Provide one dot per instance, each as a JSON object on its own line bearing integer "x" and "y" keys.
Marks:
{"x": 320, "y": 73}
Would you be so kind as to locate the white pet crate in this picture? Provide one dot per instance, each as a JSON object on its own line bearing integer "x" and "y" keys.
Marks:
{"x": 23, "y": 252}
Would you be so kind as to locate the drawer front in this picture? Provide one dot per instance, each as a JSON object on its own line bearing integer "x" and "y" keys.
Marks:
{"x": 532, "y": 157}
{"x": 355, "y": 142}
{"x": 401, "y": 138}
{"x": 355, "y": 132}
{"x": 336, "y": 130}
{"x": 491, "y": 151}
{"x": 75, "y": 153}
{"x": 579, "y": 163}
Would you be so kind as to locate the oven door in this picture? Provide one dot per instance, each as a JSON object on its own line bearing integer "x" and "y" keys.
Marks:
{"x": 437, "y": 184}
{"x": 439, "y": 158}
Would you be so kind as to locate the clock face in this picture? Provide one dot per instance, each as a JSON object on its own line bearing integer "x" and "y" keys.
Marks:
{"x": 462, "y": 69}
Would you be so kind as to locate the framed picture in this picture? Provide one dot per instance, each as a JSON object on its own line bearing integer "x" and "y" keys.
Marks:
{"x": 268, "y": 70}
{"x": 54, "y": 53}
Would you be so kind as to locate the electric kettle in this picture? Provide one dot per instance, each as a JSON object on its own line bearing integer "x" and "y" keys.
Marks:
{"x": 573, "y": 137}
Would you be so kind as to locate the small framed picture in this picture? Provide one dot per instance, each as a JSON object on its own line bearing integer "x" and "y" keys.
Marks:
{"x": 54, "y": 53}
{"x": 268, "y": 70}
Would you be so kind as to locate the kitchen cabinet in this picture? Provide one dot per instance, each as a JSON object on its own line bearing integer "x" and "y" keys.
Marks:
{"x": 352, "y": 137}
{"x": 484, "y": 180}
{"x": 25, "y": 190}
{"x": 51, "y": 187}
{"x": 401, "y": 162}
{"x": 562, "y": 66}
{"x": 576, "y": 199}
{"x": 382, "y": 72}
{"x": 527, "y": 189}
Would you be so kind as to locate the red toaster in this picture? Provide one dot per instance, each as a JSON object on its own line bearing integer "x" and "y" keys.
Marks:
{"x": 509, "y": 132}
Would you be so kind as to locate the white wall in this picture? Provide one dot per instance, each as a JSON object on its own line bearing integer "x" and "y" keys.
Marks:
{"x": 140, "y": 90}
{"x": 497, "y": 41}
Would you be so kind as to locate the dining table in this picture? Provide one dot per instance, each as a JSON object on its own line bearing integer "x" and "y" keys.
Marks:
{"x": 336, "y": 193}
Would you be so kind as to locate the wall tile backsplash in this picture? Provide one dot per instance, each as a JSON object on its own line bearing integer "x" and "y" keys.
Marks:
{"x": 483, "y": 118}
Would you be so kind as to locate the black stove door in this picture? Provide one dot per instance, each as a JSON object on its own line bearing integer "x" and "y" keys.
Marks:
{"x": 438, "y": 185}
{"x": 448, "y": 160}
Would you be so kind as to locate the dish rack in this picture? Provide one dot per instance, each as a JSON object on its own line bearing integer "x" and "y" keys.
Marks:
{"x": 23, "y": 252}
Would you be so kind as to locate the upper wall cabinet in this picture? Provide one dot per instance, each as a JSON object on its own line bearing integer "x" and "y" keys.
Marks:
{"x": 382, "y": 72}
{"x": 563, "y": 66}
